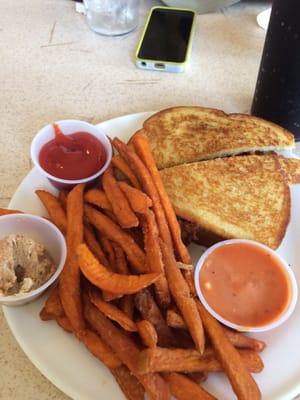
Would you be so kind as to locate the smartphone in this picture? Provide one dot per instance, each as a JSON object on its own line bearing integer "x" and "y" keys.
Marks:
{"x": 165, "y": 44}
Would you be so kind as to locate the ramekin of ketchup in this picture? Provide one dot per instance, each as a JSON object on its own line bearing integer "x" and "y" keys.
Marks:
{"x": 70, "y": 152}
{"x": 246, "y": 285}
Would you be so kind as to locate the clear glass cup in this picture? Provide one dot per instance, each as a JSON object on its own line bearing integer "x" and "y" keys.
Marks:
{"x": 112, "y": 17}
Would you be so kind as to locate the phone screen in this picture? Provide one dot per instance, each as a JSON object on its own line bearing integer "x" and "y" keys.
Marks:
{"x": 167, "y": 35}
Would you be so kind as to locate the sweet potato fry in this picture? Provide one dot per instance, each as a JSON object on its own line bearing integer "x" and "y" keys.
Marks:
{"x": 130, "y": 386}
{"x": 127, "y": 305}
{"x": 141, "y": 146}
{"x": 64, "y": 323}
{"x": 160, "y": 359}
{"x": 98, "y": 198}
{"x": 242, "y": 382}
{"x": 108, "y": 296}
{"x": 155, "y": 386}
{"x": 94, "y": 245}
{"x": 112, "y": 231}
{"x": 109, "y": 251}
{"x": 154, "y": 258}
{"x": 147, "y": 333}
{"x": 121, "y": 165}
{"x": 75, "y": 218}
{"x": 151, "y": 240}
{"x": 98, "y": 348}
{"x": 175, "y": 320}
{"x": 122, "y": 345}
{"x": 69, "y": 282}
{"x": 112, "y": 312}
{"x": 139, "y": 201}
{"x": 54, "y": 208}
{"x": 96, "y": 249}
{"x": 53, "y": 307}
{"x": 120, "y": 260}
{"x": 148, "y": 186}
{"x": 182, "y": 296}
{"x": 149, "y": 310}
{"x": 241, "y": 341}
{"x": 62, "y": 197}
{"x": 99, "y": 276}
{"x": 183, "y": 388}
{"x": 127, "y": 351}
{"x": 6, "y": 211}
{"x": 237, "y": 339}
{"x": 120, "y": 205}
{"x": 45, "y": 316}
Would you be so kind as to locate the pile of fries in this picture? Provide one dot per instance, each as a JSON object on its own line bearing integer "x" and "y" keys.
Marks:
{"x": 127, "y": 292}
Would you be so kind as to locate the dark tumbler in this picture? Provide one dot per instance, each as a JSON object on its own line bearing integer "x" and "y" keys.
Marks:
{"x": 277, "y": 92}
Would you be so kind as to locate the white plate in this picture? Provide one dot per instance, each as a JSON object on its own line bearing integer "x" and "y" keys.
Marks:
{"x": 69, "y": 366}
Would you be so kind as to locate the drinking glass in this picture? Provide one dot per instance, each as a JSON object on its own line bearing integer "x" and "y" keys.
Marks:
{"x": 112, "y": 17}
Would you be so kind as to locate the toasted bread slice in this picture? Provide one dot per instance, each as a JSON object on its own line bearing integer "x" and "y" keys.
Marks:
{"x": 291, "y": 168}
{"x": 235, "y": 197}
{"x": 187, "y": 134}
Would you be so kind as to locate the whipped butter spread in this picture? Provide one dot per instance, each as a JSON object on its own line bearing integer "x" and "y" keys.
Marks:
{"x": 25, "y": 265}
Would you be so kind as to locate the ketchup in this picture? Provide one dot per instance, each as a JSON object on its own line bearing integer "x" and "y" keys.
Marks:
{"x": 75, "y": 156}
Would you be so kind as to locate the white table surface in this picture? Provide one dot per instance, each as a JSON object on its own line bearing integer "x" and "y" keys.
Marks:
{"x": 53, "y": 67}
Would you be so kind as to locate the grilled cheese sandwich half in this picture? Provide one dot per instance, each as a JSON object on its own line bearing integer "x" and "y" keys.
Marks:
{"x": 235, "y": 197}
{"x": 187, "y": 134}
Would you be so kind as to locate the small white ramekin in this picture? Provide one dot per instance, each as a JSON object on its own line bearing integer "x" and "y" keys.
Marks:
{"x": 274, "y": 324}
{"x": 69, "y": 126}
{"x": 44, "y": 232}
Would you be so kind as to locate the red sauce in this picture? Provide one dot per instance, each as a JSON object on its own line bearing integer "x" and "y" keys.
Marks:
{"x": 245, "y": 284}
{"x": 75, "y": 156}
